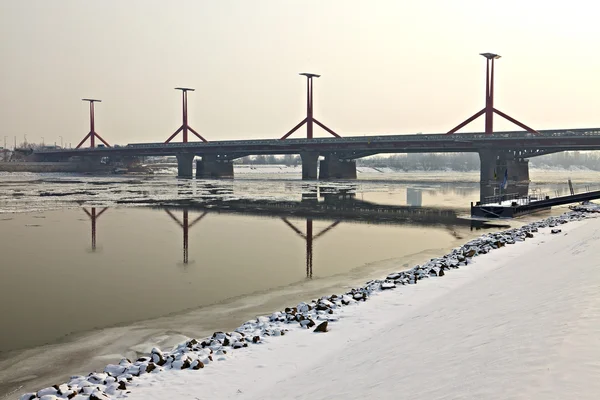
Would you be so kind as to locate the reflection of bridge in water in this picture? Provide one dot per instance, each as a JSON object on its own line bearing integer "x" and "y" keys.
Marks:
{"x": 185, "y": 225}
{"x": 309, "y": 238}
{"x": 338, "y": 206}
{"x": 326, "y": 203}
{"x": 94, "y": 217}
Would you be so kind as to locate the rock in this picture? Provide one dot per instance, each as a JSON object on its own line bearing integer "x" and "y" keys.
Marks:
{"x": 28, "y": 396}
{"x": 122, "y": 386}
{"x": 528, "y": 234}
{"x": 470, "y": 253}
{"x": 256, "y": 339}
{"x": 186, "y": 364}
{"x": 322, "y": 327}
{"x": 556, "y": 231}
{"x": 157, "y": 356}
{"x": 394, "y": 276}
{"x": 197, "y": 364}
{"x": 387, "y": 286}
{"x": 151, "y": 367}
{"x": 98, "y": 395}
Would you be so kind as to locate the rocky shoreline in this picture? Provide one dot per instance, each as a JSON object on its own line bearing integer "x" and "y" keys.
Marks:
{"x": 115, "y": 380}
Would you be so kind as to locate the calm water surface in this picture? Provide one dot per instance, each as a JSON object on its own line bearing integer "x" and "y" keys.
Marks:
{"x": 91, "y": 273}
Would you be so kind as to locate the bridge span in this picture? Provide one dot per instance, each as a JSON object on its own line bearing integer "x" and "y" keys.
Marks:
{"x": 503, "y": 153}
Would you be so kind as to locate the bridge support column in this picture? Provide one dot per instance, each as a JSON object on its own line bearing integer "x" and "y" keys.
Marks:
{"x": 310, "y": 162}
{"x": 487, "y": 173}
{"x": 211, "y": 167}
{"x": 185, "y": 164}
{"x": 91, "y": 164}
{"x": 494, "y": 165}
{"x": 332, "y": 167}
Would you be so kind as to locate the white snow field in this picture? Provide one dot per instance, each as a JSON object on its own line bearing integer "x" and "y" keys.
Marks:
{"x": 522, "y": 322}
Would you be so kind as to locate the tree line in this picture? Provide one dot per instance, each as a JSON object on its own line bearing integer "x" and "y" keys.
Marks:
{"x": 442, "y": 161}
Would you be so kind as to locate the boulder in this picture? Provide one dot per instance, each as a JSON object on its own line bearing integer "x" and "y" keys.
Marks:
{"x": 556, "y": 231}
{"x": 157, "y": 356}
{"x": 322, "y": 327}
{"x": 98, "y": 395}
{"x": 197, "y": 364}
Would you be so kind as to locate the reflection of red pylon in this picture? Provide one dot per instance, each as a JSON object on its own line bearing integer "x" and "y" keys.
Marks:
{"x": 309, "y": 238}
{"x": 93, "y": 216}
{"x": 186, "y": 225}
{"x": 489, "y": 109}
{"x": 92, "y": 134}
{"x": 184, "y": 126}
{"x": 309, "y": 111}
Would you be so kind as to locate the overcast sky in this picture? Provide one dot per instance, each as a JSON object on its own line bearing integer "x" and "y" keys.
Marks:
{"x": 387, "y": 66}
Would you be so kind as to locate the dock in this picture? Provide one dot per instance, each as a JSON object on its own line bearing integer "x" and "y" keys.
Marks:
{"x": 505, "y": 207}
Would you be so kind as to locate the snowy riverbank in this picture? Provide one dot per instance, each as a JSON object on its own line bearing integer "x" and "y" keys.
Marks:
{"x": 469, "y": 333}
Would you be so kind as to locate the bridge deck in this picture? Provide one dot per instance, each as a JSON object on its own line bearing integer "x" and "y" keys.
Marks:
{"x": 359, "y": 146}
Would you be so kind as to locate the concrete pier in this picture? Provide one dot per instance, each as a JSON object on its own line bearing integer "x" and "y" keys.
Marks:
{"x": 309, "y": 165}
{"x": 211, "y": 167}
{"x": 334, "y": 168}
{"x": 494, "y": 163}
{"x": 185, "y": 165}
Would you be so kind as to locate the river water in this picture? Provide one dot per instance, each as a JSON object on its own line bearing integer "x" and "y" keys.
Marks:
{"x": 98, "y": 268}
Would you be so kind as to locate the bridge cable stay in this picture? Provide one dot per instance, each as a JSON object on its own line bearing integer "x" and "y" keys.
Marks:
{"x": 489, "y": 109}
{"x": 309, "y": 238}
{"x": 92, "y": 135}
{"x": 309, "y": 112}
{"x": 94, "y": 217}
{"x": 184, "y": 126}
{"x": 186, "y": 226}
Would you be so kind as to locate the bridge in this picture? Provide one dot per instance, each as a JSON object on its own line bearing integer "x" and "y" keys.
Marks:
{"x": 503, "y": 155}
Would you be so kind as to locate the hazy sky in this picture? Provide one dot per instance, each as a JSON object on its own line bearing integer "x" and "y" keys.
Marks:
{"x": 387, "y": 66}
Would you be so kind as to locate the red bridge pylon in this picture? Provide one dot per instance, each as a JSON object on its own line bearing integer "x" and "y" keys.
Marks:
{"x": 184, "y": 126}
{"x": 185, "y": 225}
{"x": 309, "y": 111}
{"x": 94, "y": 217}
{"x": 92, "y": 135}
{"x": 309, "y": 238}
{"x": 489, "y": 109}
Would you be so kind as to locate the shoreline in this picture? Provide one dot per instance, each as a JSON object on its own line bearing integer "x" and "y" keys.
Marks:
{"x": 195, "y": 353}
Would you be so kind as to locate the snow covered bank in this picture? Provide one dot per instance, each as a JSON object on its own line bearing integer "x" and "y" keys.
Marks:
{"x": 481, "y": 328}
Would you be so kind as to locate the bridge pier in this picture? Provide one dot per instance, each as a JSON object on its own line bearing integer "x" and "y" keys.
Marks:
{"x": 211, "y": 167}
{"x": 332, "y": 167}
{"x": 91, "y": 164}
{"x": 185, "y": 165}
{"x": 310, "y": 162}
{"x": 494, "y": 163}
